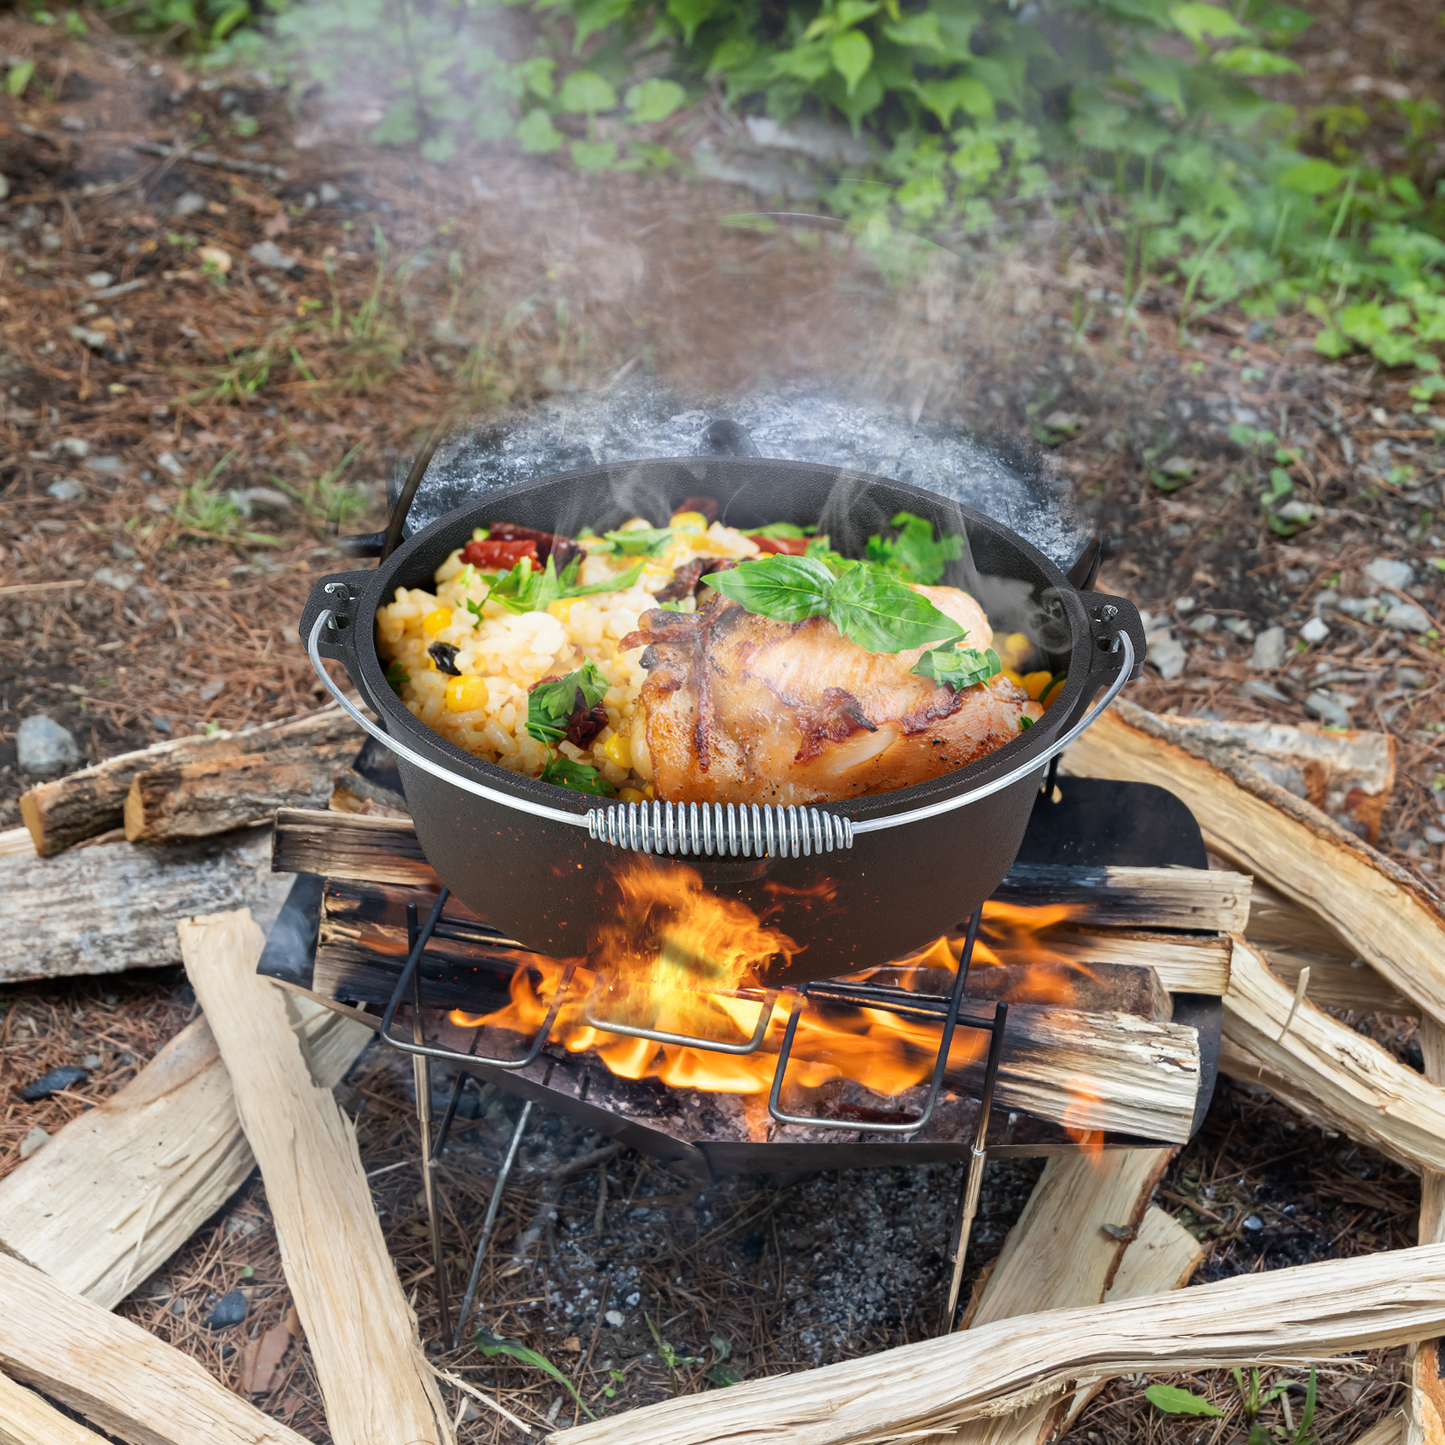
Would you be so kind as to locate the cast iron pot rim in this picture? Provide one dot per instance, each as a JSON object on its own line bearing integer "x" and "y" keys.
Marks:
{"x": 1017, "y": 755}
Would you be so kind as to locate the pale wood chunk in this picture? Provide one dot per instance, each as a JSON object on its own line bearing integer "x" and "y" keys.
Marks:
{"x": 108, "y": 908}
{"x": 1386, "y": 916}
{"x": 1184, "y": 962}
{"x": 120, "y": 1377}
{"x": 1204, "y": 899}
{"x": 375, "y": 1381}
{"x": 351, "y": 792}
{"x": 201, "y": 797}
{"x": 59, "y": 814}
{"x": 1337, "y": 984}
{"x": 1425, "y": 1409}
{"x": 122, "y": 1186}
{"x": 27, "y": 1419}
{"x": 1352, "y": 1077}
{"x": 1287, "y": 1316}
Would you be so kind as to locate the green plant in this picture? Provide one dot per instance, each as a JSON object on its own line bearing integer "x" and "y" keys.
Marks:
{"x": 209, "y": 513}
{"x": 670, "y": 1356}
{"x": 493, "y": 1345}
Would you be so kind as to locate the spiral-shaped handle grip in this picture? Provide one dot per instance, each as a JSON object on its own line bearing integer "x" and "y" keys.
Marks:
{"x": 721, "y": 830}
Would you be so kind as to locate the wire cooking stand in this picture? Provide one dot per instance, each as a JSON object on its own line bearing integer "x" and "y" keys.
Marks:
{"x": 931, "y": 1008}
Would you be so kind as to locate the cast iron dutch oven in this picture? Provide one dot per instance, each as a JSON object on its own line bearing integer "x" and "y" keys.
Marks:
{"x": 854, "y": 884}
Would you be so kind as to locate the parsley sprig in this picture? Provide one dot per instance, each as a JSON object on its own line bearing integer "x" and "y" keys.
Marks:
{"x": 913, "y": 554}
{"x": 865, "y": 602}
{"x": 526, "y": 589}
{"x": 578, "y": 776}
{"x": 551, "y": 705}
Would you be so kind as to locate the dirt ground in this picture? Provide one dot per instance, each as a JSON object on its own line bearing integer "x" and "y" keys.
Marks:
{"x": 185, "y": 429}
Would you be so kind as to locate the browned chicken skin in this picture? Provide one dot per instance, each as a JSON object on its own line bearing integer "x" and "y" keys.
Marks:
{"x": 741, "y": 709}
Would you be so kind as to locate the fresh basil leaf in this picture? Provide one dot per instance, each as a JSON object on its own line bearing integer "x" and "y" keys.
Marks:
{"x": 577, "y": 776}
{"x": 551, "y": 705}
{"x": 397, "y": 677}
{"x": 913, "y": 554}
{"x": 958, "y": 668}
{"x": 641, "y": 541}
{"x": 475, "y": 608}
{"x": 822, "y": 549}
{"x": 1025, "y": 723}
{"x": 878, "y": 611}
{"x": 778, "y": 529}
{"x": 787, "y": 589}
{"x": 620, "y": 583}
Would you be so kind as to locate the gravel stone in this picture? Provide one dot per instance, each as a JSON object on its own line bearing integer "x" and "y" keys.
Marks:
{"x": 229, "y": 1310}
{"x": 1324, "y": 707}
{"x": 37, "y": 1138}
{"x": 110, "y": 577}
{"x": 45, "y": 749}
{"x": 1167, "y": 654}
{"x": 1388, "y": 572}
{"x": 53, "y": 1082}
{"x": 1269, "y": 650}
{"x": 1407, "y": 617}
{"x": 268, "y": 253}
{"x": 189, "y": 204}
{"x": 67, "y": 489}
{"x": 1315, "y": 630}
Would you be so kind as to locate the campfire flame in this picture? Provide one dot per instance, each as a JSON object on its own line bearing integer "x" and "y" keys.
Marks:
{"x": 680, "y": 959}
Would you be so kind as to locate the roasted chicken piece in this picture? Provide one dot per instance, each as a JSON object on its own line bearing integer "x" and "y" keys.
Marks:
{"x": 738, "y": 708}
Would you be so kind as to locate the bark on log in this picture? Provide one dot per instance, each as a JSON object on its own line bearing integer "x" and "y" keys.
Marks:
{"x": 120, "y": 1377}
{"x": 1286, "y": 1316}
{"x": 374, "y": 1378}
{"x": 353, "y": 793}
{"x": 1425, "y": 1409}
{"x": 92, "y": 801}
{"x": 27, "y": 1419}
{"x": 1356, "y": 1080}
{"x": 124, "y": 1185}
{"x": 201, "y": 797}
{"x": 1059, "y": 1256}
{"x": 1385, "y": 915}
{"x": 112, "y": 907}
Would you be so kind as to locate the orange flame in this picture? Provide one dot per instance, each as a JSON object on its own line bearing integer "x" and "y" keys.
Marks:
{"x": 680, "y": 959}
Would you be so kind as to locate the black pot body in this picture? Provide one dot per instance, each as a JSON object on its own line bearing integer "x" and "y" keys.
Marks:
{"x": 550, "y": 885}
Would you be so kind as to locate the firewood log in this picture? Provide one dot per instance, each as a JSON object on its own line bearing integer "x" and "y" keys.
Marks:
{"x": 61, "y": 813}
{"x": 1285, "y": 1316}
{"x": 27, "y": 1419}
{"x": 122, "y": 1186}
{"x": 200, "y": 797}
{"x": 120, "y": 1377}
{"x": 1385, "y": 915}
{"x": 1357, "y": 1081}
{"x": 375, "y": 1380}
{"x": 353, "y": 793}
{"x": 1425, "y": 1408}
{"x": 105, "y": 908}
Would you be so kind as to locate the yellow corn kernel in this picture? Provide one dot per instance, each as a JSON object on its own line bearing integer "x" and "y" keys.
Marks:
{"x": 1035, "y": 682}
{"x": 1015, "y": 649}
{"x": 1012, "y": 676}
{"x": 561, "y": 609}
{"x": 631, "y": 795}
{"x": 649, "y": 792}
{"x": 466, "y": 694}
{"x": 438, "y": 621}
{"x": 688, "y": 522}
{"x": 619, "y": 748}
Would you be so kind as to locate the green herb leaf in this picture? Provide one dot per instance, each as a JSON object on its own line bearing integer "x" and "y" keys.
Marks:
{"x": 777, "y": 529}
{"x": 397, "y": 677}
{"x": 619, "y": 583}
{"x": 787, "y": 589}
{"x": 958, "y": 668}
{"x": 722, "y": 1375}
{"x": 913, "y": 554}
{"x": 1174, "y": 1401}
{"x": 866, "y": 603}
{"x": 640, "y": 541}
{"x": 492, "y": 1345}
{"x": 883, "y": 614}
{"x": 475, "y": 608}
{"x": 578, "y": 776}
{"x": 1025, "y": 723}
{"x": 552, "y": 705}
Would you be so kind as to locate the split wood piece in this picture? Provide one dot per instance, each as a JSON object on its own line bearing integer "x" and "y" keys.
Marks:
{"x": 1184, "y": 962}
{"x": 386, "y": 850}
{"x": 1386, "y": 916}
{"x": 120, "y": 1377}
{"x": 1280, "y": 922}
{"x": 1061, "y": 1255}
{"x": 1203, "y": 899}
{"x": 92, "y": 801}
{"x": 351, "y": 792}
{"x": 201, "y": 797}
{"x": 28, "y": 1419}
{"x": 1389, "y": 1431}
{"x": 1349, "y": 775}
{"x": 17, "y": 843}
{"x": 362, "y": 944}
{"x": 1425, "y": 1409}
{"x": 1385, "y": 1102}
{"x": 106, "y": 909}
{"x": 122, "y": 1186}
{"x": 374, "y": 1378}
{"x": 1284, "y": 1317}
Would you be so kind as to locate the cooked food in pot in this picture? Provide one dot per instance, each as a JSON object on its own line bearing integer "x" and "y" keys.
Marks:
{"x": 700, "y": 663}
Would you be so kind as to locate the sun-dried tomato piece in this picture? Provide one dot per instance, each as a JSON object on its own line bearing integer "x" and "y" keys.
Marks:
{"x": 549, "y": 544}
{"x": 789, "y": 546}
{"x": 496, "y": 555}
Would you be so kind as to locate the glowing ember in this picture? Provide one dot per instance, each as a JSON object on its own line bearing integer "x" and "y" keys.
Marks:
{"x": 681, "y": 960}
